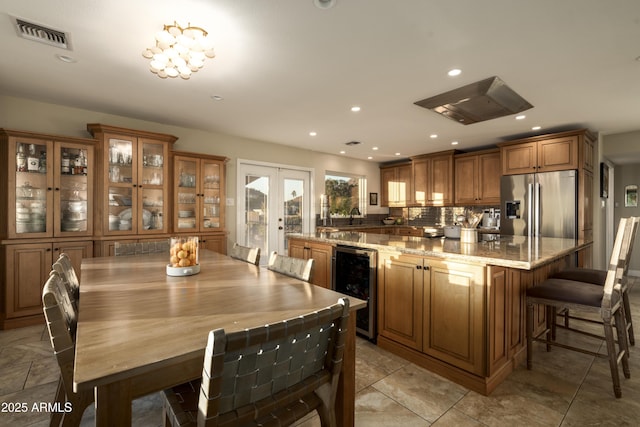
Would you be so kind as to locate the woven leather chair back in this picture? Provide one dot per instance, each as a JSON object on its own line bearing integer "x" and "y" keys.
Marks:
{"x": 294, "y": 267}
{"x": 245, "y": 253}
{"x": 249, "y": 374}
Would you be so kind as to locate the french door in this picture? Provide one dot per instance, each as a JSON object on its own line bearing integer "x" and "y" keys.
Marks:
{"x": 273, "y": 202}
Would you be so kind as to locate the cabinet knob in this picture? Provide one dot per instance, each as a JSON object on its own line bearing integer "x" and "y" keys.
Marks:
{"x": 49, "y": 189}
{"x": 418, "y": 267}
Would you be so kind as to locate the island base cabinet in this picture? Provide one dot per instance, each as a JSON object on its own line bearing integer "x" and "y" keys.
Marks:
{"x": 26, "y": 268}
{"x": 400, "y": 289}
{"x": 454, "y": 314}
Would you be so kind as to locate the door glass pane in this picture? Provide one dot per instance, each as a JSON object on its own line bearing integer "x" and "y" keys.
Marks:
{"x": 120, "y": 161}
{"x": 256, "y": 211}
{"x": 120, "y": 209}
{"x": 152, "y": 208}
{"x": 187, "y": 194}
{"x": 31, "y": 188}
{"x": 73, "y": 190}
{"x": 211, "y": 195}
{"x": 293, "y": 206}
{"x": 152, "y": 164}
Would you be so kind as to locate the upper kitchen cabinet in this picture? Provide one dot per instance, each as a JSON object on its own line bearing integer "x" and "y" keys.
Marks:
{"x": 132, "y": 170}
{"x": 48, "y": 186}
{"x": 432, "y": 179}
{"x": 546, "y": 153}
{"x": 395, "y": 185}
{"x": 477, "y": 178}
{"x": 198, "y": 192}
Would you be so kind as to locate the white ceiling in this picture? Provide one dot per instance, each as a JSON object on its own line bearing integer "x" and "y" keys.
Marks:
{"x": 286, "y": 67}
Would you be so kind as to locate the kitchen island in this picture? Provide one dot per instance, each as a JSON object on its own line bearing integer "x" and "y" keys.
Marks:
{"x": 457, "y": 309}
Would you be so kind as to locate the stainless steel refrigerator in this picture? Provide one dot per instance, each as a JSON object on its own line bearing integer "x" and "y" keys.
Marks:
{"x": 540, "y": 204}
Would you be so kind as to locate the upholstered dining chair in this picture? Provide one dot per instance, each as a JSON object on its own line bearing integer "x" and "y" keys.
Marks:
{"x": 245, "y": 253}
{"x": 65, "y": 269}
{"x": 290, "y": 266}
{"x": 598, "y": 277}
{"x": 61, "y": 323}
{"x": 271, "y": 375}
{"x": 606, "y": 301}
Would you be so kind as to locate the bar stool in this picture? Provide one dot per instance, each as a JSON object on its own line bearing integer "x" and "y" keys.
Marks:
{"x": 605, "y": 300}
{"x": 598, "y": 277}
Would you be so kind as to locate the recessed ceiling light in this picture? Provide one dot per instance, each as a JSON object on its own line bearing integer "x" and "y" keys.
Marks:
{"x": 397, "y": 154}
{"x": 313, "y": 133}
{"x": 433, "y": 136}
{"x": 374, "y": 148}
{"x": 520, "y": 117}
{"x": 217, "y": 97}
{"x": 454, "y": 142}
{"x": 536, "y": 128}
{"x": 454, "y": 72}
{"x": 324, "y": 4}
{"x": 355, "y": 108}
{"x": 342, "y": 151}
{"x": 369, "y": 158}
{"x": 67, "y": 59}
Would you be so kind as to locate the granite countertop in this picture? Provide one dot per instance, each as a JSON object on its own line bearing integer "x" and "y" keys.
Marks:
{"x": 519, "y": 252}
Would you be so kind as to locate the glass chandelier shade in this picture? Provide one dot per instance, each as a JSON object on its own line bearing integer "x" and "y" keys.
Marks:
{"x": 179, "y": 51}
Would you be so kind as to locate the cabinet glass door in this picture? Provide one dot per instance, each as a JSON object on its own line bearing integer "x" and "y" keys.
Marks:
{"x": 151, "y": 187}
{"x": 120, "y": 188}
{"x": 212, "y": 214}
{"x": 186, "y": 194}
{"x": 73, "y": 191}
{"x": 33, "y": 188}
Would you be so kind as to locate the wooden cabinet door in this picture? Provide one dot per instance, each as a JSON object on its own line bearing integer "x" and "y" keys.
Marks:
{"x": 419, "y": 179}
{"x": 296, "y": 248}
{"x": 440, "y": 181}
{"x": 585, "y": 209}
{"x": 400, "y": 290}
{"x": 387, "y": 180}
{"x": 403, "y": 182}
{"x": 558, "y": 154}
{"x": 488, "y": 180}
{"x": 466, "y": 186}
{"x": 519, "y": 158}
{"x": 454, "y": 313}
{"x": 216, "y": 243}
{"x": 28, "y": 267}
{"x": 321, "y": 255}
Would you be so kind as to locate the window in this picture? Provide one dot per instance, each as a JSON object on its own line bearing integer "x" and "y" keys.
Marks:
{"x": 345, "y": 192}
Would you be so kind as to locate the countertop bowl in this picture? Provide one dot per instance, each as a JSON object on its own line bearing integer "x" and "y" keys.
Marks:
{"x": 388, "y": 221}
{"x": 452, "y": 231}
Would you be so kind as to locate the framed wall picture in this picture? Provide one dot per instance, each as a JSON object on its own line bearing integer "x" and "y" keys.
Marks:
{"x": 373, "y": 198}
{"x": 604, "y": 180}
{"x": 631, "y": 196}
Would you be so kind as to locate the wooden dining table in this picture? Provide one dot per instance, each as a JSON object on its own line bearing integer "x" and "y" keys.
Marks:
{"x": 141, "y": 331}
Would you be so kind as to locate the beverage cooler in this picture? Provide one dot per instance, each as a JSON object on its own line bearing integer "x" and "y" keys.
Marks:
{"x": 354, "y": 273}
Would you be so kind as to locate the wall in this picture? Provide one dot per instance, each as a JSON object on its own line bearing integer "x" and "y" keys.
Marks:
{"x": 34, "y": 116}
{"x": 621, "y": 148}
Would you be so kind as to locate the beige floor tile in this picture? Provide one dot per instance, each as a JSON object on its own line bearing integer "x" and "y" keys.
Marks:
{"x": 374, "y": 408}
{"x": 455, "y": 418}
{"x": 421, "y": 391}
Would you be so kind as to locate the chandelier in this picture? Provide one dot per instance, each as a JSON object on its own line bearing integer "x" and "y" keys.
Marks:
{"x": 179, "y": 51}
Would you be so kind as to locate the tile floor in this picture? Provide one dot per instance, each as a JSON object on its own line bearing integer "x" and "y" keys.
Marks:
{"x": 564, "y": 389}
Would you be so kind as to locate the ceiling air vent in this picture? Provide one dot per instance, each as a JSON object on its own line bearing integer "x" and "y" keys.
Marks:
{"x": 484, "y": 100}
{"x": 42, "y": 34}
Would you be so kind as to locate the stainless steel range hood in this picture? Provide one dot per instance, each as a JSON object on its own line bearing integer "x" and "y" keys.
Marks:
{"x": 484, "y": 100}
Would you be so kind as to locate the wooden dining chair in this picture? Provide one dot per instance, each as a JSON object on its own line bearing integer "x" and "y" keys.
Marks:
{"x": 61, "y": 322}
{"x": 65, "y": 269}
{"x": 290, "y": 266}
{"x": 269, "y": 375}
{"x": 598, "y": 277}
{"x": 605, "y": 301}
{"x": 245, "y": 253}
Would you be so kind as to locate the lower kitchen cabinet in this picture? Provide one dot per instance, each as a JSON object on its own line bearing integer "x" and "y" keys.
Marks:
{"x": 26, "y": 268}
{"x": 214, "y": 242}
{"x": 434, "y": 307}
{"x": 321, "y": 254}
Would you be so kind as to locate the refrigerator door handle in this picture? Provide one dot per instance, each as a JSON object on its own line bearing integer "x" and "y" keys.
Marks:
{"x": 530, "y": 210}
{"x": 536, "y": 208}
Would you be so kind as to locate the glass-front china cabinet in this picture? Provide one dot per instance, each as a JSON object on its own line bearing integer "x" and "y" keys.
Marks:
{"x": 46, "y": 208}
{"x": 132, "y": 181}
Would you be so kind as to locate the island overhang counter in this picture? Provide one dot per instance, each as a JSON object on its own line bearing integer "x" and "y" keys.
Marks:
{"x": 458, "y": 309}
